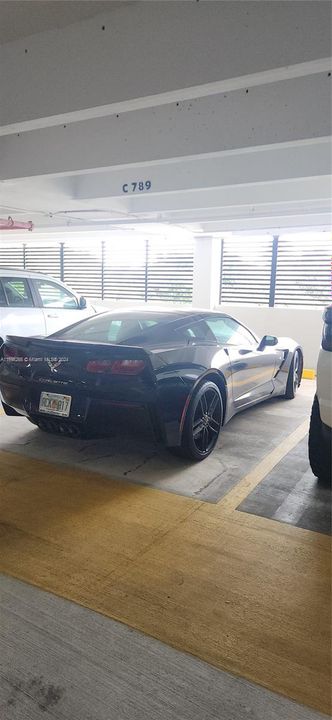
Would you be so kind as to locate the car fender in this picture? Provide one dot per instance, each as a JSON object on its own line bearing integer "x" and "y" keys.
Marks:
{"x": 175, "y": 390}
{"x": 288, "y": 347}
{"x": 215, "y": 376}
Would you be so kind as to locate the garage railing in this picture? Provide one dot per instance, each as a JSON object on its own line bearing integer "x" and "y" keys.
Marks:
{"x": 291, "y": 270}
{"x": 134, "y": 269}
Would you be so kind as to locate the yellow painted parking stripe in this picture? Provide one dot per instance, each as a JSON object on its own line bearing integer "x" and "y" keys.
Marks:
{"x": 255, "y": 476}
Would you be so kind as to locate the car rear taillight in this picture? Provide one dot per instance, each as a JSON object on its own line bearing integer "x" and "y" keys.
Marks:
{"x": 116, "y": 367}
{"x": 12, "y": 353}
{"x": 128, "y": 367}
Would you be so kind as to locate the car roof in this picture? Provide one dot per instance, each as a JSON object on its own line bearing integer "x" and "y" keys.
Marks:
{"x": 172, "y": 314}
{"x": 29, "y": 274}
{"x": 8, "y": 271}
{"x": 176, "y": 316}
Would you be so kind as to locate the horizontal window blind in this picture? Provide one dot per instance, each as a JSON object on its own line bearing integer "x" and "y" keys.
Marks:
{"x": 246, "y": 270}
{"x": 12, "y": 256}
{"x": 82, "y": 268}
{"x": 304, "y": 270}
{"x": 124, "y": 269}
{"x": 170, "y": 270}
{"x": 43, "y": 259}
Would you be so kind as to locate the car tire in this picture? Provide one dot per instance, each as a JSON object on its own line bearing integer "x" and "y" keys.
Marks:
{"x": 319, "y": 447}
{"x": 202, "y": 423}
{"x": 294, "y": 376}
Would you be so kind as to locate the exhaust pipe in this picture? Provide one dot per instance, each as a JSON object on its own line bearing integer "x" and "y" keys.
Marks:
{"x": 53, "y": 426}
{"x": 74, "y": 431}
{"x": 69, "y": 429}
{"x": 47, "y": 425}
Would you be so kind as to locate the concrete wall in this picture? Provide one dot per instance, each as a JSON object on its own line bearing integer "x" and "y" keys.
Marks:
{"x": 302, "y": 324}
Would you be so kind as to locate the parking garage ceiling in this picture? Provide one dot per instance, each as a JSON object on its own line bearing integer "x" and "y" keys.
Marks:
{"x": 215, "y": 116}
{"x": 21, "y": 19}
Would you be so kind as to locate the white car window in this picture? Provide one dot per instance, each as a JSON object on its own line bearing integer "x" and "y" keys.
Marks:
{"x": 55, "y": 296}
{"x": 17, "y": 292}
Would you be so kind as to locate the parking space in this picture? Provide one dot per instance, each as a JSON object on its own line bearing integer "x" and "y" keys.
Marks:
{"x": 202, "y": 577}
{"x": 290, "y": 493}
{"x": 244, "y": 442}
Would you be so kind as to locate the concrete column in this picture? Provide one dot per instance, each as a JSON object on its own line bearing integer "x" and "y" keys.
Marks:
{"x": 207, "y": 259}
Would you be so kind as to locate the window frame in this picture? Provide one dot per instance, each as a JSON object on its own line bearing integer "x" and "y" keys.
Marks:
{"x": 2, "y": 289}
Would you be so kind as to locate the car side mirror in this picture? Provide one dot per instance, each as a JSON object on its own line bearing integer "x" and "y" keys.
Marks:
{"x": 267, "y": 341}
{"x": 82, "y": 303}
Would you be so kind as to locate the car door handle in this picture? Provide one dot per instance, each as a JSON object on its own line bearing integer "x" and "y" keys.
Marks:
{"x": 52, "y": 315}
{"x": 243, "y": 351}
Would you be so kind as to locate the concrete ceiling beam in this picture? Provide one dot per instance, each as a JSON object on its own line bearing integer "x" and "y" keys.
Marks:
{"x": 305, "y": 190}
{"x": 273, "y": 224}
{"x": 145, "y": 49}
{"x": 276, "y": 162}
{"x": 286, "y": 111}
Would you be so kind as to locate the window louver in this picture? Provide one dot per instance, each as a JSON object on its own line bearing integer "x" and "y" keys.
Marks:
{"x": 124, "y": 269}
{"x": 82, "y": 265}
{"x": 170, "y": 270}
{"x": 12, "y": 256}
{"x": 128, "y": 269}
{"x": 304, "y": 270}
{"x": 246, "y": 270}
{"x": 160, "y": 270}
{"x": 43, "y": 259}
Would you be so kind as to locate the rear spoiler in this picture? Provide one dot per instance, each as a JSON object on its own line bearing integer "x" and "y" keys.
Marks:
{"x": 55, "y": 346}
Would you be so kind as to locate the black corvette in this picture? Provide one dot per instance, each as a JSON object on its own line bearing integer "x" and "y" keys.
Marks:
{"x": 183, "y": 374}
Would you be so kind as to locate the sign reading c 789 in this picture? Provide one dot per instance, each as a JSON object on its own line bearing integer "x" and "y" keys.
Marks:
{"x": 138, "y": 186}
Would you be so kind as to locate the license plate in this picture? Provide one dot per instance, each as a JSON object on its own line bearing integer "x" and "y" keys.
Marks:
{"x": 55, "y": 404}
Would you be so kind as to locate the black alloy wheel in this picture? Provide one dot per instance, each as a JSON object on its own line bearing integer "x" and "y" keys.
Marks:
{"x": 203, "y": 422}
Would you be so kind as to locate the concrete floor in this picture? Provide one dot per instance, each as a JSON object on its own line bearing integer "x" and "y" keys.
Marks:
{"x": 215, "y": 580}
{"x": 290, "y": 493}
{"x": 60, "y": 660}
{"x": 245, "y": 441}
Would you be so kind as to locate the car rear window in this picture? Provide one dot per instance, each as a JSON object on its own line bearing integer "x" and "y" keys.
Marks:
{"x": 140, "y": 329}
{"x": 114, "y": 328}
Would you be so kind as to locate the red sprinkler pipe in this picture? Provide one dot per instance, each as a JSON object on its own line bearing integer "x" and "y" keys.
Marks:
{"x": 11, "y": 224}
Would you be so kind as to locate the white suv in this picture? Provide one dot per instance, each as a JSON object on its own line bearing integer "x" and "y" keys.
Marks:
{"x": 320, "y": 432}
{"x": 35, "y": 304}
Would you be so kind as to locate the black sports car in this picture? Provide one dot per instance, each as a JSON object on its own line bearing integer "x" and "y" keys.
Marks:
{"x": 184, "y": 374}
